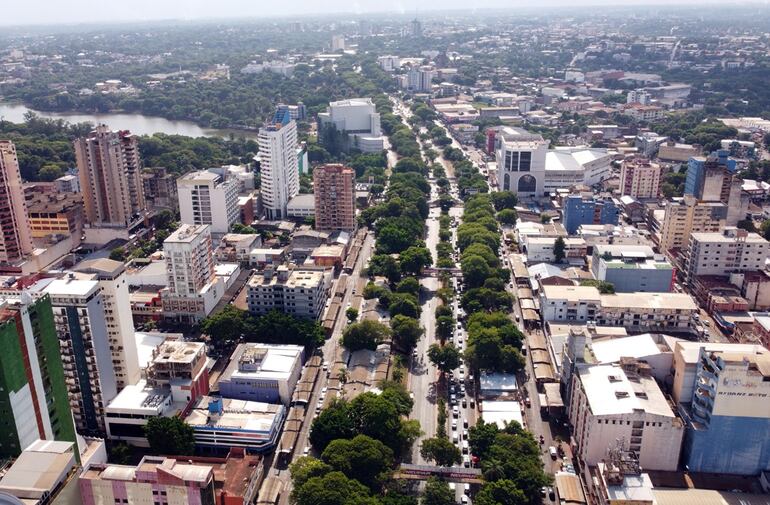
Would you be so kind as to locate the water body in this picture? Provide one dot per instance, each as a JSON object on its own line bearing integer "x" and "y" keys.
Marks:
{"x": 137, "y": 123}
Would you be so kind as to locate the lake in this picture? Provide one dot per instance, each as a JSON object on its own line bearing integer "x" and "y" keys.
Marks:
{"x": 137, "y": 123}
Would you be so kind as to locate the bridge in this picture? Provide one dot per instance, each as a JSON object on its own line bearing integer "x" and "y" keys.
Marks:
{"x": 435, "y": 272}
{"x": 452, "y": 473}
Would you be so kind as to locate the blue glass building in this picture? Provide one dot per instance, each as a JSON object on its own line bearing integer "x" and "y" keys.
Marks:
{"x": 579, "y": 211}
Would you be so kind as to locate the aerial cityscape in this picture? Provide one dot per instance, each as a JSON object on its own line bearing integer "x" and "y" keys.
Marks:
{"x": 432, "y": 253}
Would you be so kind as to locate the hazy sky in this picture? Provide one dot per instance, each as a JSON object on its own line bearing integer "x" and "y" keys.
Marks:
{"x": 24, "y": 12}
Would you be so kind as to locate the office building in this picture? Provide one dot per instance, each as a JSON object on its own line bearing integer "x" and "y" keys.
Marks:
{"x": 231, "y": 480}
{"x": 730, "y": 251}
{"x": 59, "y": 214}
{"x": 352, "y": 124}
{"x": 712, "y": 179}
{"x": 631, "y": 268}
{"x": 299, "y": 292}
{"x": 262, "y": 373}
{"x": 209, "y": 198}
{"x": 220, "y": 424}
{"x": 278, "y": 164}
{"x": 623, "y": 402}
{"x": 685, "y": 215}
{"x": 297, "y": 112}
{"x": 192, "y": 289}
{"x": 160, "y": 188}
{"x": 389, "y": 63}
{"x": 521, "y": 161}
{"x": 117, "y": 309}
{"x": 574, "y": 166}
{"x": 640, "y": 179}
{"x": 648, "y": 143}
{"x": 415, "y": 28}
{"x": 582, "y": 209}
{"x": 420, "y": 79}
{"x": 722, "y": 391}
{"x": 32, "y": 383}
{"x": 110, "y": 174}
{"x": 541, "y": 249}
{"x": 15, "y": 234}
{"x": 80, "y": 319}
{"x": 334, "y": 187}
{"x": 338, "y": 43}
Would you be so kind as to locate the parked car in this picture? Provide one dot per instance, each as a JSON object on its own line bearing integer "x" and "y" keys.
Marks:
{"x": 552, "y": 452}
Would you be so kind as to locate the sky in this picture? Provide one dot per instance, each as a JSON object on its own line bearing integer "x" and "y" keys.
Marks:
{"x": 51, "y": 12}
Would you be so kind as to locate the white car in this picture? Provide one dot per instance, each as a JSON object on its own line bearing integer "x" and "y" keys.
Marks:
{"x": 455, "y": 412}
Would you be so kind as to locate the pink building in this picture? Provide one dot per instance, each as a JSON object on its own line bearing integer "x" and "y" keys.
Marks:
{"x": 640, "y": 179}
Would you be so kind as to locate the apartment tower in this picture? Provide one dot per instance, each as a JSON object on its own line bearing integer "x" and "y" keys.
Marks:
{"x": 334, "y": 186}
{"x": 110, "y": 177}
{"x": 278, "y": 164}
{"x": 15, "y": 234}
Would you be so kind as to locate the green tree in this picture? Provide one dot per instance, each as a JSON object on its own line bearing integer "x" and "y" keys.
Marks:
{"x": 363, "y": 458}
{"x": 475, "y": 270}
{"x": 227, "y": 324}
{"x": 764, "y": 229}
{"x": 277, "y": 327}
{"x": 120, "y": 454}
{"x": 170, "y": 436}
{"x": 501, "y": 492}
{"x": 405, "y": 305}
{"x": 352, "y": 314}
{"x": 406, "y": 331}
{"x": 333, "y": 488}
{"x": 437, "y": 492}
{"x": 414, "y": 259}
{"x": 558, "y": 249}
{"x": 409, "y": 285}
{"x": 445, "y": 326}
{"x": 507, "y": 216}
{"x": 445, "y": 357}
{"x": 504, "y": 200}
{"x": 441, "y": 451}
{"x": 118, "y": 254}
{"x": 604, "y": 287}
{"x": 305, "y": 468}
{"x": 386, "y": 266}
{"x": 366, "y": 334}
{"x": 333, "y": 422}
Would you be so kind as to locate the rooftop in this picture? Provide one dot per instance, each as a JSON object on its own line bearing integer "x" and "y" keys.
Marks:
{"x": 187, "y": 233}
{"x": 637, "y": 346}
{"x": 571, "y": 293}
{"x": 236, "y": 414}
{"x": 72, "y": 287}
{"x": 611, "y": 391}
{"x": 39, "y": 469}
{"x": 177, "y": 351}
{"x": 655, "y": 301}
{"x": 263, "y": 361}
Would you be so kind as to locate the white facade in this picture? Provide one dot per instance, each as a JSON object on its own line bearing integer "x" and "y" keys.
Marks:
{"x": 731, "y": 251}
{"x": 193, "y": 289}
{"x": 639, "y": 96}
{"x": 117, "y": 308}
{"x": 571, "y": 166}
{"x": 612, "y": 403}
{"x": 540, "y": 249}
{"x": 206, "y": 197}
{"x": 262, "y": 373}
{"x": 301, "y": 206}
{"x": 389, "y": 63}
{"x": 338, "y": 43}
{"x": 359, "y": 119}
{"x": 521, "y": 162}
{"x": 302, "y": 293}
{"x": 278, "y": 166}
{"x": 569, "y": 303}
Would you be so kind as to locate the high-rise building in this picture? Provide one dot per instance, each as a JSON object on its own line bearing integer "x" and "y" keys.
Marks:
{"x": 193, "y": 289}
{"x": 32, "y": 384}
{"x": 521, "y": 161}
{"x": 298, "y": 292}
{"x": 56, "y": 214}
{"x": 81, "y": 323}
{"x": 420, "y": 79}
{"x": 685, "y": 215}
{"x": 338, "y": 43}
{"x": 117, "y": 310}
{"x": 579, "y": 210}
{"x": 713, "y": 179}
{"x": 278, "y": 164}
{"x": 160, "y": 188}
{"x": 334, "y": 187}
{"x": 415, "y": 28}
{"x": 15, "y": 235}
{"x": 733, "y": 250}
{"x": 110, "y": 177}
{"x": 640, "y": 179}
{"x": 209, "y": 197}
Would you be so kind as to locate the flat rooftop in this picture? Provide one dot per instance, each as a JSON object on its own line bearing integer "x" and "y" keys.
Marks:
{"x": 72, "y": 287}
{"x": 655, "y": 301}
{"x": 571, "y": 293}
{"x": 237, "y": 414}
{"x": 263, "y": 361}
{"x": 610, "y": 391}
{"x": 636, "y": 346}
{"x": 176, "y": 351}
{"x": 186, "y": 233}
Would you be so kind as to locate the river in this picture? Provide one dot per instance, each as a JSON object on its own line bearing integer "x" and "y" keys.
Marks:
{"x": 137, "y": 123}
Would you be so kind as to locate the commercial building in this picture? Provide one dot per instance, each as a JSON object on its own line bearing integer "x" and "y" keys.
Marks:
{"x": 160, "y": 188}
{"x": 685, "y": 215}
{"x": 521, "y": 161}
{"x": 15, "y": 233}
{"x": 58, "y": 214}
{"x": 632, "y": 268}
{"x": 220, "y": 424}
{"x": 389, "y": 63}
{"x": 262, "y": 373}
{"x": 713, "y": 179}
{"x": 233, "y": 480}
{"x": 541, "y": 249}
{"x": 32, "y": 384}
{"x": 722, "y": 390}
{"x": 67, "y": 184}
{"x": 81, "y": 324}
{"x": 623, "y": 402}
{"x": 193, "y": 289}
{"x": 648, "y": 312}
{"x": 583, "y": 209}
{"x": 38, "y": 473}
{"x": 110, "y": 174}
{"x": 675, "y": 152}
{"x": 176, "y": 377}
{"x": 734, "y": 250}
{"x": 357, "y": 121}
{"x": 648, "y": 143}
{"x": 299, "y": 292}
{"x": 208, "y": 197}
{"x": 334, "y": 187}
{"x": 573, "y": 166}
{"x": 569, "y": 303}
{"x": 278, "y": 164}
{"x": 640, "y": 179}
{"x": 117, "y": 309}
{"x": 301, "y": 206}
